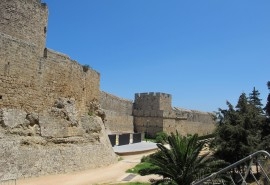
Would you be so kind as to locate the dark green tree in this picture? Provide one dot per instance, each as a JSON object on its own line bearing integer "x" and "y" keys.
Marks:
{"x": 242, "y": 104}
{"x": 181, "y": 162}
{"x": 238, "y": 133}
{"x": 265, "y": 144}
{"x": 230, "y": 143}
{"x": 255, "y": 101}
{"x": 267, "y": 107}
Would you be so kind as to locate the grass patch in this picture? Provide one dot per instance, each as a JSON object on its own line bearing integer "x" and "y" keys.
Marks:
{"x": 138, "y": 167}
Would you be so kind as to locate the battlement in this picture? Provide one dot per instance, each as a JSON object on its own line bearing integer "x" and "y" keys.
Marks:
{"x": 153, "y": 101}
{"x": 148, "y": 94}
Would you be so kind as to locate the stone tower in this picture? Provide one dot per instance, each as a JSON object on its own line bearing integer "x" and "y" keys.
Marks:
{"x": 25, "y": 20}
{"x": 150, "y": 112}
{"x": 153, "y": 101}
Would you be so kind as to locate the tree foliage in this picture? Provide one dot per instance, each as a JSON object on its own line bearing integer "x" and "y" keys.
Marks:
{"x": 240, "y": 128}
{"x": 267, "y": 107}
{"x": 181, "y": 162}
{"x": 266, "y": 126}
{"x": 255, "y": 101}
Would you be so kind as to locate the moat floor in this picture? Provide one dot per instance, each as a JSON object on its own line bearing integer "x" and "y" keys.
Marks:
{"x": 109, "y": 174}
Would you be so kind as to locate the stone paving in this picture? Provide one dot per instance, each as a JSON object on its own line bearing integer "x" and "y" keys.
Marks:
{"x": 135, "y": 148}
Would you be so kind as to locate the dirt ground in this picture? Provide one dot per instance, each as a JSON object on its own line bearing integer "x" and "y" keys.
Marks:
{"x": 114, "y": 173}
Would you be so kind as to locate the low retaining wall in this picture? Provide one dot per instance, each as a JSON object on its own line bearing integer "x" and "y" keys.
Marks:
{"x": 125, "y": 139}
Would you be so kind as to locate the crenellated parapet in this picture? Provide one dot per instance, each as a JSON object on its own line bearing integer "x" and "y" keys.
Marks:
{"x": 152, "y": 101}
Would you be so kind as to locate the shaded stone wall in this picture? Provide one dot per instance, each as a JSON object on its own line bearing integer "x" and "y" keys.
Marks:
{"x": 118, "y": 112}
{"x": 148, "y": 125}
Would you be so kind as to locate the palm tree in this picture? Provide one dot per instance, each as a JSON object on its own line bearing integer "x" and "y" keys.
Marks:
{"x": 181, "y": 162}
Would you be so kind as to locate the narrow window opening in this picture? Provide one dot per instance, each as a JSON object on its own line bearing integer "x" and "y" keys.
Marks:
{"x": 1, "y": 97}
{"x": 45, "y": 30}
{"x": 45, "y": 54}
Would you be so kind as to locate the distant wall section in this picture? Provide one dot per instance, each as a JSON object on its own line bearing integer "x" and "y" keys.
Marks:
{"x": 153, "y": 113}
{"x": 118, "y": 112}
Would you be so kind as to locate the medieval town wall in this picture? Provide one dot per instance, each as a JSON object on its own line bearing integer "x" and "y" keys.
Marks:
{"x": 34, "y": 83}
{"x": 194, "y": 115}
{"x": 148, "y": 125}
{"x": 45, "y": 98}
{"x": 49, "y": 103}
{"x": 153, "y": 113}
{"x": 118, "y": 113}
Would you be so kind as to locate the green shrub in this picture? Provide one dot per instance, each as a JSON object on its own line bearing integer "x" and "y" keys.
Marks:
{"x": 161, "y": 137}
{"x": 144, "y": 159}
{"x": 85, "y": 67}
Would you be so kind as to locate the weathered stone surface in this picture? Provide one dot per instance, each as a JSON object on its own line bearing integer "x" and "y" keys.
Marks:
{"x": 25, "y": 160}
{"x": 12, "y": 118}
{"x": 26, "y": 156}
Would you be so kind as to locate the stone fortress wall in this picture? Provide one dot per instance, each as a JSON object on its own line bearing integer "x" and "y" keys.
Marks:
{"x": 153, "y": 113}
{"x": 119, "y": 118}
{"x": 48, "y": 103}
{"x": 45, "y": 126}
{"x": 25, "y": 20}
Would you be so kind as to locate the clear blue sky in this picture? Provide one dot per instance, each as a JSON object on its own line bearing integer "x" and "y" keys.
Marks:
{"x": 201, "y": 52}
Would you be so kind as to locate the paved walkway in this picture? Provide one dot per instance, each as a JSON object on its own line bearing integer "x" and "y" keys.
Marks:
{"x": 109, "y": 174}
{"x": 135, "y": 148}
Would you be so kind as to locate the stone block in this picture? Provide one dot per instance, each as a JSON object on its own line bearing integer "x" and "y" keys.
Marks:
{"x": 12, "y": 118}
